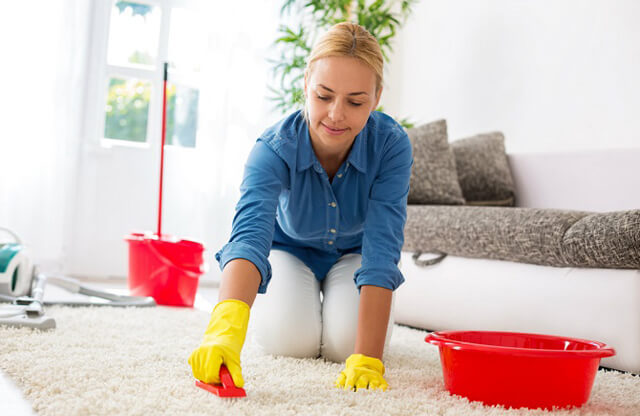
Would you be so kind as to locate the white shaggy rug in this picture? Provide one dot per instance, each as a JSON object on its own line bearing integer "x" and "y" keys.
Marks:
{"x": 109, "y": 361}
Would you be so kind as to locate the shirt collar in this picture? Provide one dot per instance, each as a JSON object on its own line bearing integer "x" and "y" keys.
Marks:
{"x": 306, "y": 157}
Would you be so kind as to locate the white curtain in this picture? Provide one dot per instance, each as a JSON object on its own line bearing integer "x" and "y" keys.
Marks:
{"x": 44, "y": 47}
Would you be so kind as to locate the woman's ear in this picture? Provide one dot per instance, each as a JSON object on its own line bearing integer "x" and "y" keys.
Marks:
{"x": 306, "y": 76}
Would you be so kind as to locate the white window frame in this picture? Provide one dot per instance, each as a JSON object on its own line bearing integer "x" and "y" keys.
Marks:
{"x": 100, "y": 71}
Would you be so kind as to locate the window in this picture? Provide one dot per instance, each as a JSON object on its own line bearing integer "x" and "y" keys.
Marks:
{"x": 142, "y": 36}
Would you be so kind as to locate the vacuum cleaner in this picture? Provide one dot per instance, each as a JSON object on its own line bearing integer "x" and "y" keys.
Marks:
{"x": 22, "y": 285}
{"x": 15, "y": 267}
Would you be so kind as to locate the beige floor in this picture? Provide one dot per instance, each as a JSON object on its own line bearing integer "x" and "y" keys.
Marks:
{"x": 11, "y": 400}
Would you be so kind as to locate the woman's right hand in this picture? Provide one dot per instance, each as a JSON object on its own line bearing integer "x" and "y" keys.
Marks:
{"x": 362, "y": 372}
{"x": 222, "y": 343}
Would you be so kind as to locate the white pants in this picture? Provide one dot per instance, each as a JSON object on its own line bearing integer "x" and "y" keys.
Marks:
{"x": 292, "y": 320}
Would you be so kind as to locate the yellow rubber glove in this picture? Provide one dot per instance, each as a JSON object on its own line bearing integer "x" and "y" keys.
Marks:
{"x": 362, "y": 372}
{"x": 222, "y": 343}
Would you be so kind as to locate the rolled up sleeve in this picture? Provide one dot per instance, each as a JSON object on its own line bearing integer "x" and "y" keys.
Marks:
{"x": 383, "y": 233}
{"x": 254, "y": 221}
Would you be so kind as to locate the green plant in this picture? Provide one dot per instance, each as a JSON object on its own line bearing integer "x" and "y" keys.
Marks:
{"x": 382, "y": 18}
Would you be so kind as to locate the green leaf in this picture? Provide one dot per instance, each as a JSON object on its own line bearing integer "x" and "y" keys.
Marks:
{"x": 376, "y": 5}
{"x": 406, "y": 123}
{"x": 287, "y": 6}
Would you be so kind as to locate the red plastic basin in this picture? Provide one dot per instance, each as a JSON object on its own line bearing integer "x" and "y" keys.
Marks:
{"x": 519, "y": 370}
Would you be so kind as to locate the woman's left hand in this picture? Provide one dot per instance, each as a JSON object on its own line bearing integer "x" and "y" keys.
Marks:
{"x": 362, "y": 372}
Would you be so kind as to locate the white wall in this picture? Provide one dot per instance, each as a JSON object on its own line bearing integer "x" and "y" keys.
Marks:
{"x": 551, "y": 75}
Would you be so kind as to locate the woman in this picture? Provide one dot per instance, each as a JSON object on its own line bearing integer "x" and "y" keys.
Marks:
{"x": 322, "y": 210}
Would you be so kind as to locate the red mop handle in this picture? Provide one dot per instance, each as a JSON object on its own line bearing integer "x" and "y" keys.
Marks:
{"x": 164, "y": 124}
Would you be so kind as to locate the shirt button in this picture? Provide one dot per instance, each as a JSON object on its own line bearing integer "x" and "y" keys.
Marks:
{"x": 333, "y": 204}
{"x": 339, "y": 175}
{"x": 333, "y": 231}
{"x": 330, "y": 242}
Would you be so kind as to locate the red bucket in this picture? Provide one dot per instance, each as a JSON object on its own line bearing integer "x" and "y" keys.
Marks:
{"x": 164, "y": 268}
{"x": 519, "y": 370}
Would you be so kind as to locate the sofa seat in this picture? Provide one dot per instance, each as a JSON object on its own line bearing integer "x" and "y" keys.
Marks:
{"x": 549, "y": 237}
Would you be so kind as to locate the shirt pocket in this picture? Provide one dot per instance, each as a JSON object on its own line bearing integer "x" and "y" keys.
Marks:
{"x": 305, "y": 219}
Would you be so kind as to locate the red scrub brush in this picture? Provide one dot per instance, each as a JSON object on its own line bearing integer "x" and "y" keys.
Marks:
{"x": 226, "y": 388}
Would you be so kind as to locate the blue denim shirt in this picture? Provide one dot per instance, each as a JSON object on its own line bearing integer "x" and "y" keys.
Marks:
{"x": 288, "y": 202}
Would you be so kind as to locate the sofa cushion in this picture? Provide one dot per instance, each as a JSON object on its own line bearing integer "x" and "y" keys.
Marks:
{"x": 528, "y": 235}
{"x": 434, "y": 179}
{"x": 483, "y": 170}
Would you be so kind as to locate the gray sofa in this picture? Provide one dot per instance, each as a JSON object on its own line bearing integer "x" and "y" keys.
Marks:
{"x": 526, "y": 243}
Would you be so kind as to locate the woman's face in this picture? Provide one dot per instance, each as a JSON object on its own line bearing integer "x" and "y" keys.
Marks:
{"x": 340, "y": 94}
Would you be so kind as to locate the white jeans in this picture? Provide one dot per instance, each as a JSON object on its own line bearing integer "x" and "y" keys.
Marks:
{"x": 291, "y": 320}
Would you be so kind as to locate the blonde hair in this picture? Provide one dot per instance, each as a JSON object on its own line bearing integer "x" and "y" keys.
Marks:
{"x": 348, "y": 39}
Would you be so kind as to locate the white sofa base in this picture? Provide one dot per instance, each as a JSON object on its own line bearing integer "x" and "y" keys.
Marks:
{"x": 479, "y": 294}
